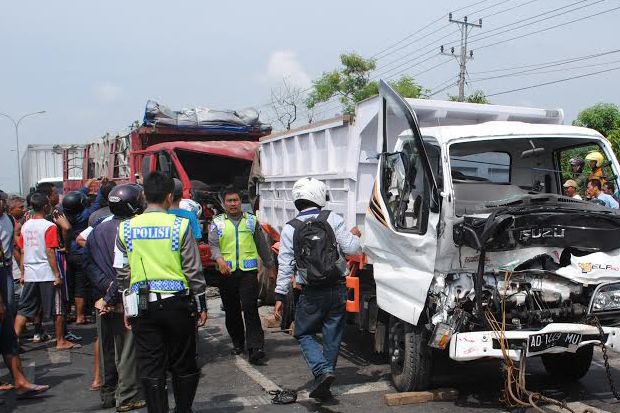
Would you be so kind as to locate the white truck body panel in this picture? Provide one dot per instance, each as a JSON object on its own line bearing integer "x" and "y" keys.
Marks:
{"x": 343, "y": 151}
{"x": 43, "y": 163}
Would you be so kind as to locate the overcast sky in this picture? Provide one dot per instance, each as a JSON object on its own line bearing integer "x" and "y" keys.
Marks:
{"x": 93, "y": 65}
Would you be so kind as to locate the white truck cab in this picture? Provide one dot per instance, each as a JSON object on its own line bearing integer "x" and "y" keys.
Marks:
{"x": 472, "y": 246}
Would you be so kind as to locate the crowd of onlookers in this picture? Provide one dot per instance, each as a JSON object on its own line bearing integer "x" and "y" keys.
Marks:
{"x": 43, "y": 274}
{"x": 593, "y": 186}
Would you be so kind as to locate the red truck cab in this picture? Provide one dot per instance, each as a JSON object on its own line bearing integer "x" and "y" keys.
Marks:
{"x": 204, "y": 162}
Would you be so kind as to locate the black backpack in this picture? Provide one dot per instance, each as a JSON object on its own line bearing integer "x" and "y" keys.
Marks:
{"x": 316, "y": 250}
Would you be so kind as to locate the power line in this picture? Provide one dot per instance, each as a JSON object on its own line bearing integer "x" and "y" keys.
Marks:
{"x": 442, "y": 89}
{"x": 569, "y": 60}
{"x": 441, "y": 84}
{"x": 414, "y": 60}
{"x": 505, "y": 28}
{"x": 508, "y": 9}
{"x": 488, "y": 7}
{"x": 423, "y": 28}
{"x": 377, "y": 55}
{"x": 550, "y": 28}
{"x": 539, "y": 71}
{"x": 426, "y": 46}
{"x": 411, "y": 35}
{"x": 553, "y": 82}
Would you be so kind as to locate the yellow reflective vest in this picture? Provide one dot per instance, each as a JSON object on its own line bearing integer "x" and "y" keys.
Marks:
{"x": 237, "y": 244}
{"x": 153, "y": 242}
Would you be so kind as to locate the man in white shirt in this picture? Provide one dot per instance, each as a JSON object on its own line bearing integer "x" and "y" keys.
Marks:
{"x": 40, "y": 272}
{"x": 570, "y": 189}
{"x": 9, "y": 348}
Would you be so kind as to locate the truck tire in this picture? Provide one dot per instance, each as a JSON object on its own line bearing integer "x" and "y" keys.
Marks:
{"x": 568, "y": 366}
{"x": 410, "y": 356}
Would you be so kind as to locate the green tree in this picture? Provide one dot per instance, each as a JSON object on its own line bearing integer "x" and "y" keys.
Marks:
{"x": 477, "y": 97}
{"x": 352, "y": 84}
{"x": 603, "y": 117}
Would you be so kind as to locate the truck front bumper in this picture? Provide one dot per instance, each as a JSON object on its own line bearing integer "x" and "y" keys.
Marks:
{"x": 481, "y": 344}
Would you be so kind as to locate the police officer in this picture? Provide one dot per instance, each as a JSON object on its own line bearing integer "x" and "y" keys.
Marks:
{"x": 160, "y": 261}
{"x": 236, "y": 241}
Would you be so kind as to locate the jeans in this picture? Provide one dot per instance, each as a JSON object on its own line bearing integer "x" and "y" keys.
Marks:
{"x": 321, "y": 310}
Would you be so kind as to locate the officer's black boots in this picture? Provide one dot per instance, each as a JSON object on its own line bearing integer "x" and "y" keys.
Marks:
{"x": 156, "y": 395}
{"x": 184, "y": 388}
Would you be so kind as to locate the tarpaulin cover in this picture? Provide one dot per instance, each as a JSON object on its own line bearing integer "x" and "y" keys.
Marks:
{"x": 204, "y": 119}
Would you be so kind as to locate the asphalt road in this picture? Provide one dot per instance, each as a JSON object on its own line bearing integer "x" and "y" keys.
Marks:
{"x": 230, "y": 384}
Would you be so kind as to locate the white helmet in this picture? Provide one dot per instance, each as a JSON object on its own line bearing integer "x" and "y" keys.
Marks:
{"x": 191, "y": 205}
{"x": 310, "y": 189}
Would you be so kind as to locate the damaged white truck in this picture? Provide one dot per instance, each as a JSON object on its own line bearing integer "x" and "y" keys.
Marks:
{"x": 471, "y": 246}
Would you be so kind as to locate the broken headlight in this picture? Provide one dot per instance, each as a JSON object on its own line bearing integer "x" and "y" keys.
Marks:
{"x": 606, "y": 297}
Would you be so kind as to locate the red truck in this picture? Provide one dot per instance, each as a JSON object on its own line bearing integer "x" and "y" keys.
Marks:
{"x": 205, "y": 156}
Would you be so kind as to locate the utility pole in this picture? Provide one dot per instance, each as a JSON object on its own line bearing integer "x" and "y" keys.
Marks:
{"x": 463, "y": 55}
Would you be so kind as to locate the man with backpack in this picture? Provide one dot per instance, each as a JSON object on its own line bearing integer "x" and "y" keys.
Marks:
{"x": 312, "y": 250}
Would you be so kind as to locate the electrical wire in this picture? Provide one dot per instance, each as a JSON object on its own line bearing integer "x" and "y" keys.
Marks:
{"x": 552, "y": 82}
{"x": 375, "y": 56}
{"x": 432, "y": 49}
{"x": 490, "y": 7}
{"x": 539, "y": 71}
{"x": 414, "y": 41}
{"x": 550, "y": 28}
{"x": 507, "y": 10}
{"x": 508, "y": 27}
{"x": 569, "y": 60}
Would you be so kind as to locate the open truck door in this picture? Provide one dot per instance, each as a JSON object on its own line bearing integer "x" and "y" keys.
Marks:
{"x": 401, "y": 220}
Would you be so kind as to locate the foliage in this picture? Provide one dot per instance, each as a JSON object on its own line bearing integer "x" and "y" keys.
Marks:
{"x": 477, "y": 97}
{"x": 351, "y": 84}
{"x": 603, "y": 117}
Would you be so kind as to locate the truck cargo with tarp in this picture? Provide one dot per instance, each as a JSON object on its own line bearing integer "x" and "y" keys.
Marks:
{"x": 206, "y": 150}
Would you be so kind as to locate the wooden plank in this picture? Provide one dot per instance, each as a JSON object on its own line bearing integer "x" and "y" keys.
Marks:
{"x": 399, "y": 399}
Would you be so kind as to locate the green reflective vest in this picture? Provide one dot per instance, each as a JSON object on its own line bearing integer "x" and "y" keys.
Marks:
{"x": 237, "y": 244}
{"x": 153, "y": 242}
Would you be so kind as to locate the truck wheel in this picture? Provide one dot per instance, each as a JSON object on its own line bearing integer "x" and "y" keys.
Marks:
{"x": 410, "y": 356}
{"x": 568, "y": 366}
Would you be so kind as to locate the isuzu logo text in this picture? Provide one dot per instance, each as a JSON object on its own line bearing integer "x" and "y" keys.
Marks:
{"x": 543, "y": 232}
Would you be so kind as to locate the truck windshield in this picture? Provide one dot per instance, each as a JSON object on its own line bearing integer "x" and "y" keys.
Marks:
{"x": 212, "y": 173}
{"x": 486, "y": 171}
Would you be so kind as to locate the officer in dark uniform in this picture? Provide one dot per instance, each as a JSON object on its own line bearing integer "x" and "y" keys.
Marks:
{"x": 120, "y": 387}
{"x": 159, "y": 262}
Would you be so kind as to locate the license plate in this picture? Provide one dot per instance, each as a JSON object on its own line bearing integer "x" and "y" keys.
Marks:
{"x": 539, "y": 343}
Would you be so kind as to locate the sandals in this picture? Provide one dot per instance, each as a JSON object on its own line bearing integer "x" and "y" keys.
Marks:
{"x": 33, "y": 390}
{"x": 4, "y": 386}
{"x": 73, "y": 346}
{"x": 284, "y": 396}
